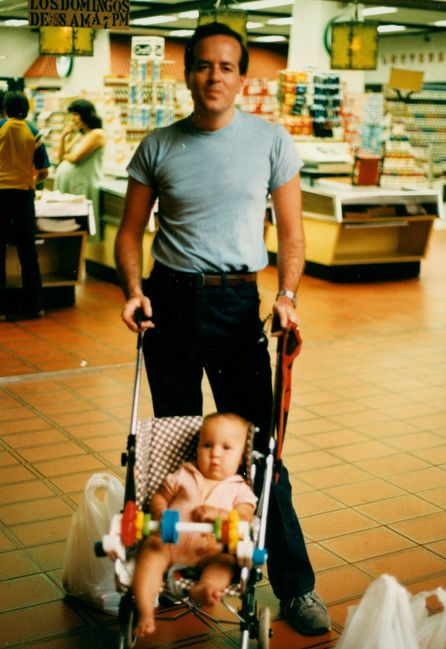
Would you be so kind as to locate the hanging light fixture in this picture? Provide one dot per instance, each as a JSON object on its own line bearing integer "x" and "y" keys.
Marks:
{"x": 221, "y": 12}
{"x": 354, "y": 44}
{"x": 68, "y": 41}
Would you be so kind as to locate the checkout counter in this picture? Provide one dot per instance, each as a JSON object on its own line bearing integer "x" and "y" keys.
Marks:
{"x": 363, "y": 233}
{"x": 100, "y": 260}
{"x": 64, "y": 222}
{"x": 323, "y": 159}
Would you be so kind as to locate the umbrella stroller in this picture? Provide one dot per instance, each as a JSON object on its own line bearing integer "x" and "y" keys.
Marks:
{"x": 156, "y": 447}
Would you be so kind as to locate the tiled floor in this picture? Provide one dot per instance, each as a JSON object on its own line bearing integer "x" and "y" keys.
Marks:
{"x": 366, "y": 447}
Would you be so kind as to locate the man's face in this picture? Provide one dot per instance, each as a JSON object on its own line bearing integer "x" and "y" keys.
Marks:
{"x": 215, "y": 78}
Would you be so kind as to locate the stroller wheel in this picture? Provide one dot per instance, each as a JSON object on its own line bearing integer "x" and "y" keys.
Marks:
{"x": 128, "y": 619}
{"x": 264, "y": 633}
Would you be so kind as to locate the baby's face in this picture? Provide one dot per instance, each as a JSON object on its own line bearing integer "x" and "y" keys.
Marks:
{"x": 221, "y": 447}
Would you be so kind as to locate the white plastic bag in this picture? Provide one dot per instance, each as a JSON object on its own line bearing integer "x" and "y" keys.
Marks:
{"x": 382, "y": 620}
{"x": 389, "y": 617}
{"x": 85, "y": 575}
{"x": 430, "y": 629}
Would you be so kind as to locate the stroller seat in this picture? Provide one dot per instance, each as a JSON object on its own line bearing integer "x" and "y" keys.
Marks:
{"x": 162, "y": 444}
{"x": 159, "y": 446}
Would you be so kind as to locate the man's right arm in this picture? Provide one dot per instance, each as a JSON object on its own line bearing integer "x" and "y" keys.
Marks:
{"x": 128, "y": 253}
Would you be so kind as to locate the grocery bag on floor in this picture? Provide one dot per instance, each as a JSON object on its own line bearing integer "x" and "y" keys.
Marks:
{"x": 389, "y": 617}
{"x": 84, "y": 574}
{"x": 382, "y": 620}
{"x": 430, "y": 628}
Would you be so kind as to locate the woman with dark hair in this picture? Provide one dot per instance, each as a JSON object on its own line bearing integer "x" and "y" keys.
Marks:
{"x": 81, "y": 152}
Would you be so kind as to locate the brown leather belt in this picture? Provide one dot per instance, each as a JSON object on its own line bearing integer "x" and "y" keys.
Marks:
{"x": 199, "y": 280}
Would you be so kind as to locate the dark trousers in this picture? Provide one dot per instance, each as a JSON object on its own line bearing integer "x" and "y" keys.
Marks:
{"x": 18, "y": 226}
{"x": 218, "y": 330}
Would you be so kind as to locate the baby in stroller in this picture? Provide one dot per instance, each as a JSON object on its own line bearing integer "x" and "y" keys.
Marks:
{"x": 203, "y": 491}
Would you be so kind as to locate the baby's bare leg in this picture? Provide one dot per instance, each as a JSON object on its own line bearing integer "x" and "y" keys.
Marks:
{"x": 217, "y": 573}
{"x": 151, "y": 563}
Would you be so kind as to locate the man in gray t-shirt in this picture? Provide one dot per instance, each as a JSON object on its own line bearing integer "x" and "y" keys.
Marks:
{"x": 212, "y": 174}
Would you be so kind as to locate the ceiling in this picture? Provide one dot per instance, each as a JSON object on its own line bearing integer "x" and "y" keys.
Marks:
{"x": 417, "y": 17}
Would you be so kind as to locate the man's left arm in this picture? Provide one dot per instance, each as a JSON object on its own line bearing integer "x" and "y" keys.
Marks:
{"x": 41, "y": 160}
{"x": 287, "y": 205}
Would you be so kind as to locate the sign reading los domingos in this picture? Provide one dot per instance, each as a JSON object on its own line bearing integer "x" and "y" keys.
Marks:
{"x": 96, "y": 14}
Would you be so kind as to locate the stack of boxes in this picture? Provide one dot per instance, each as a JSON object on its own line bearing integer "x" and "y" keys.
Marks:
{"x": 400, "y": 167}
{"x": 293, "y": 102}
{"x": 259, "y": 97}
{"x": 310, "y": 103}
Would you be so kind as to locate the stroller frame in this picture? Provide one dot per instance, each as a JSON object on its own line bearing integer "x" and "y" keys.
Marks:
{"x": 124, "y": 539}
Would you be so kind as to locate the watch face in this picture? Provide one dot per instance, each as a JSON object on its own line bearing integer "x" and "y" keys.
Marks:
{"x": 64, "y": 65}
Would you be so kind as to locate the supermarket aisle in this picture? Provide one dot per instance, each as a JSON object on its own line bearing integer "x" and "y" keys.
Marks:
{"x": 366, "y": 448}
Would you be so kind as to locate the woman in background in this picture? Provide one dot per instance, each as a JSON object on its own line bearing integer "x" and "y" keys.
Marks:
{"x": 81, "y": 152}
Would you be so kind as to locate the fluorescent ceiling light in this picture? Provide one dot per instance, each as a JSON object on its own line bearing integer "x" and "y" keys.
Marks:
{"x": 270, "y": 39}
{"x": 439, "y": 23}
{"x": 264, "y": 4}
{"x": 153, "y": 20}
{"x": 391, "y": 28}
{"x": 181, "y": 33}
{"x": 286, "y": 20}
{"x": 251, "y": 25}
{"x": 15, "y": 22}
{"x": 377, "y": 11}
{"x": 189, "y": 14}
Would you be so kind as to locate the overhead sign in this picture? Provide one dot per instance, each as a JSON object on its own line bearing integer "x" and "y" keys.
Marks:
{"x": 96, "y": 14}
{"x": 147, "y": 48}
{"x": 354, "y": 46}
{"x": 403, "y": 79}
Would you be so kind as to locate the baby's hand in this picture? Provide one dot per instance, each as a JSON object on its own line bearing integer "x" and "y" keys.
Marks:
{"x": 208, "y": 514}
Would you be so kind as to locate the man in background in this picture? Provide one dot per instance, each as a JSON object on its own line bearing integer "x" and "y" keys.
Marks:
{"x": 23, "y": 163}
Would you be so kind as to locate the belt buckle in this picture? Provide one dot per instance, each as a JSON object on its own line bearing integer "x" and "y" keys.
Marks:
{"x": 200, "y": 280}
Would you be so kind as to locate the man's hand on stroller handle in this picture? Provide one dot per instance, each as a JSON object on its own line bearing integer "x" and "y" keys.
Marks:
{"x": 137, "y": 313}
{"x": 283, "y": 314}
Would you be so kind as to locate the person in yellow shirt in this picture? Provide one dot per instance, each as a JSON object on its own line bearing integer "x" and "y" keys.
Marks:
{"x": 23, "y": 163}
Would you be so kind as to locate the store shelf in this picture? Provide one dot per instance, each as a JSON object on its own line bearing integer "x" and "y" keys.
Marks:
{"x": 424, "y": 115}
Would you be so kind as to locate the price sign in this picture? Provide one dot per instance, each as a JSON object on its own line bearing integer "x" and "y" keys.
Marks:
{"x": 147, "y": 48}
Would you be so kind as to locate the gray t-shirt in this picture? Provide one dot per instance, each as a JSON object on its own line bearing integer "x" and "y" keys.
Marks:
{"x": 213, "y": 188}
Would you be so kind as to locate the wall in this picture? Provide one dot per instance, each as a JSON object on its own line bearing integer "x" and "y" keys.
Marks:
{"x": 264, "y": 61}
{"x": 412, "y": 53}
{"x": 88, "y": 72}
{"x": 20, "y": 47}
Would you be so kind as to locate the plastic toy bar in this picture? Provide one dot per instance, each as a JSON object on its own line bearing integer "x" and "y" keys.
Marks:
{"x": 133, "y": 525}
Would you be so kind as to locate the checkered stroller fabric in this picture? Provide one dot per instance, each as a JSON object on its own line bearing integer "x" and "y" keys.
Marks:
{"x": 161, "y": 446}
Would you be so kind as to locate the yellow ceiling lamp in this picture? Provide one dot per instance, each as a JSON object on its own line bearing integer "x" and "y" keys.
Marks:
{"x": 234, "y": 18}
{"x": 69, "y": 41}
{"x": 353, "y": 44}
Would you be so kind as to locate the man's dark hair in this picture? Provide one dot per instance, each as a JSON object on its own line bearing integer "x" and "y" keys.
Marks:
{"x": 213, "y": 29}
{"x": 16, "y": 104}
{"x": 86, "y": 111}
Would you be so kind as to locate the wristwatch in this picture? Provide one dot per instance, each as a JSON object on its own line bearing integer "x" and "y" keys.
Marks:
{"x": 291, "y": 295}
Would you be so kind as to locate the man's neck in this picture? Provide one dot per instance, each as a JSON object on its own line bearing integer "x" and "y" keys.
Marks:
{"x": 206, "y": 122}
